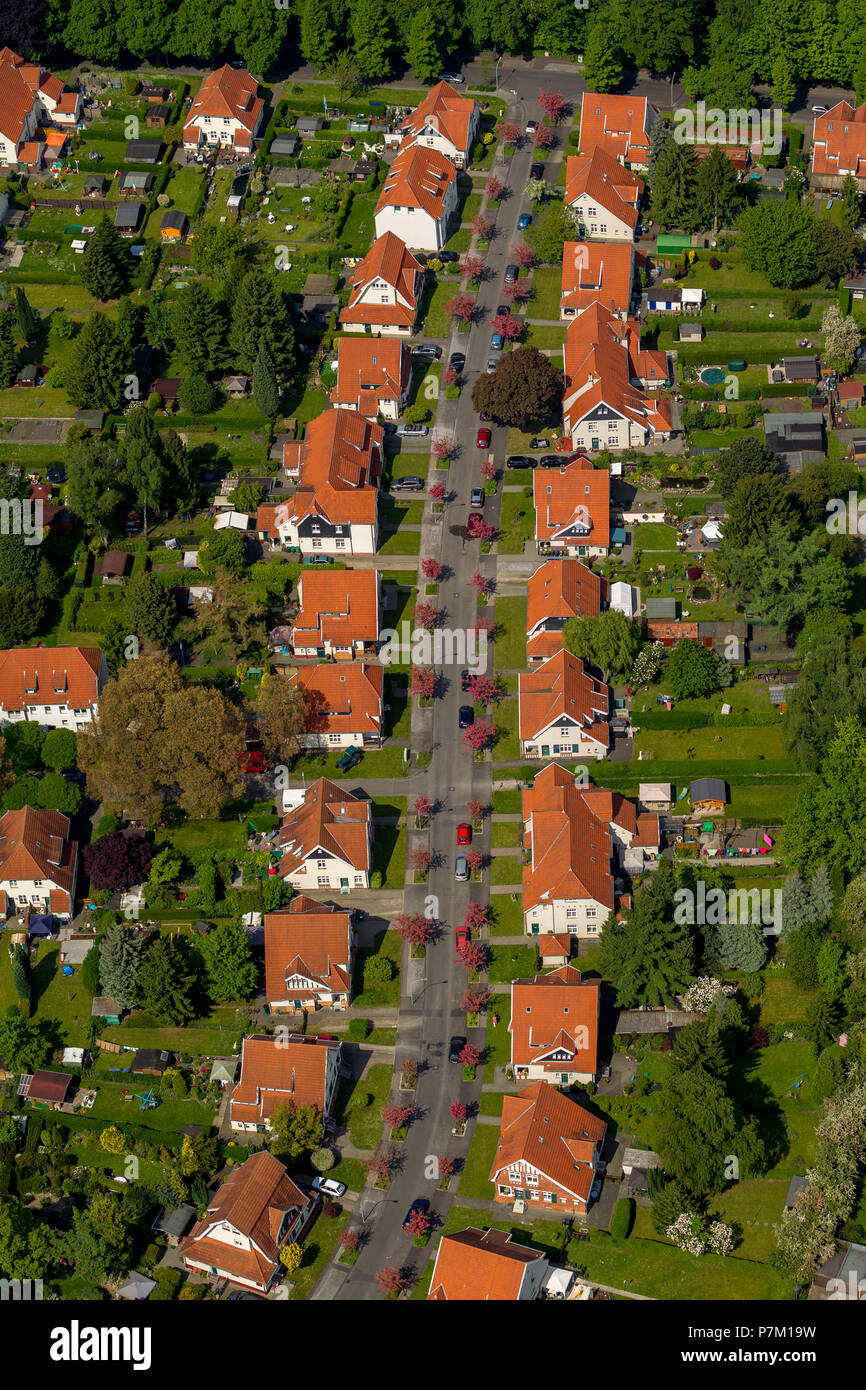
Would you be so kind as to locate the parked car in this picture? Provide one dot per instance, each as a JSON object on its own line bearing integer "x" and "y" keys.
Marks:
{"x": 474, "y": 527}
{"x": 465, "y": 676}
{"x": 511, "y": 274}
{"x": 427, "y": 350}
{"x": 446, "y": 256}
{"x": 461, "y": 936}
{"x": 318, "y": 559}
{"x": 819, "y": 110}
{"x": 492, "y": 364}
{"x": 497, "y": 342}
{"x": 595, "y": 1190}
{"x": 476, "y": 497}
{"x": 412, "y": 483}
{"x": 420, "y": 1204}
{"x": 520, "y": 461}
{"x": 252, "y": 761}
{"x": 455, "y": 1047}
{"x": 413, "y": 431}
{"x": 350, "y": 759}
{"x": 464, "y": 833}
{"x": 523, "y": 221}
{"x": 482, "y": 438}
{"x": 457, "y": 361}
{"x": 550, "y": 460}
{"x": 461, "y": 867}
{"x": 503, "y": 309}
{"x": 539, "y": 443}
{"x": 329, "y": 1187}
{"x": 536, "y": 170}
{"x": 465, "y": 717}
{"x": 451, "y": 77}
{"x": 531, "y": 127}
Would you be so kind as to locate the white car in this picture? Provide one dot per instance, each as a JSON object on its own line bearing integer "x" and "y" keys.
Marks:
{"x": 413, "y": 431}
{"x": 329, "y": 1187}
{"x": 451, "y": 77}
{"x": 531, "y": 127}
{"x": 819, "y": 110}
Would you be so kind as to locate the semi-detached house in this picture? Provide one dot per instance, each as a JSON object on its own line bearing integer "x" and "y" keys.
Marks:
{"x": 554, "y": 1028}
{"x": 568, "y": 880}
{"x": 418, "y": 198}
{"x": 572, "y": 508}
{"x": 556, "y": 592}
{"x": 604, "y": 196}
{"x": 611, "y": 396}
{"x": 344, "y": 704}
{"x": 548, "y": 1152}
{"x": 373, "y": 377}
{"x": 326, "y": 839}
{"x": 308, "y": 956}
{"x": 38, "y": 862}
{"x": 445, "y": 122}
{"x": 386, "y": 291}
{"x": 30, "y": 98}
{"x": 284, "y": 1071}
{"x": 55, "y": 687}
{"x": 225, "y": 111}
{"x": 619, "y": 125}
{"x": 562, "y": 710}
{"x": 338, "y": 614}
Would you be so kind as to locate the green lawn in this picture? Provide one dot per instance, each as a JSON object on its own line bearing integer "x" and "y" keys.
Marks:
{"x": 506, "y": 870}
{"x": 351, "y": 1171}
{"x": 784, "y": 1001}
{"x": 507, "y": 744}
{"x": 377, "y": 762}
{"x": 55, "y": 996}
{"x": 389, "y": 854}
{"x": 729, "y": 745}
{"x": 662, "y": 1271}
{"x": 509, "y": 647}
{"x": 508, "y": 802}
{"x": 319, "y": 1245}
{"x": 474, "y": 1180}
{"x": 506, "y": 915}
{"x": 225, "y": 836}
{"x": 654, "y": 535}
{"x": 491, "y": 1103}
{"x": 378, "y": 996}
{"x": 498, "y": 1051}
{"x": 752, "y": 1207}
{"x": 546, "y": 338}
{"x": 509, "y": 963}
{"x": 516, "y": 523}
{"x": 438, "y": 322}
{"x": 170, "y": 1114}
{"x": 546, "y": 293}
{"x": 506, "y": 834}
{"x": 365, "y": 1121}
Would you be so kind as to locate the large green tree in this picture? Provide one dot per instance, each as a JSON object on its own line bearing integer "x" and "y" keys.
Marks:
{"x": 94, "y": 379}
{"x": 260, "y": 314}
{"x": 151, "y": 608}
{"x": 427, "y": 45}
{"x": 675, "y": 199}
{"x": 295, "y": 1129}
{"x": 826, "y": 823}
{"x": 372, "y": 38}
{"x": 611, "y": 642}
{"x": 199, "y": 328}
{"x": 103, "y": 268}
{"x": 649, "y": 958}
{"x": 602, "y": 67}
{"x": 166, "y": 983}
{"x": 692, "y": 670}
{"x": 230, "y": 971}
{"x": 8, "y": 353}
{"x": 266, "y": 392}
{"x": 780, "y": 239}
{"x": 121, "y": 954}
{"x": 318, "y": 33}
{"x": 749, "y": 457}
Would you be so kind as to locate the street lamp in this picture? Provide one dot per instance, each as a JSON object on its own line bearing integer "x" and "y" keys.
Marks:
{"x": 496, "y": 72}
{"x": 373, "y": 1208}
{"x": 417, "y": 992}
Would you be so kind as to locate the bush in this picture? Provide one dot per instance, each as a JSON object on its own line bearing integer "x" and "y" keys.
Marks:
{"x": 622, "y": 1219}
{"x": 359, "y": 1028}
{"x": 322, "y": 1160}
{"x": 376, "y": 878}
{"x": 378, "y": 970}
{"x": 362, "y": 1100}
{"x": 331, "y": 1210}
{"x": 715, "y": 263}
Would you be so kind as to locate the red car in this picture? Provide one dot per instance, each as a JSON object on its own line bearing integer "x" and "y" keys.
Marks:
{"x": 461, "y": 937}
{"x": 482, "y": 439}
{"x": 464, "y": 834}
{"x": 474, "y": 526}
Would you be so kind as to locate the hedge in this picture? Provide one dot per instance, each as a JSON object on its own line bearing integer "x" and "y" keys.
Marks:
{"x": 697, "y": 719}
{"x": 135, "y": 1133}
{"x": 622, "y": 1219}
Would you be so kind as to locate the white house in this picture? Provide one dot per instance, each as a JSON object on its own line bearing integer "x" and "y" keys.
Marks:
{"x": 386, "y": 291}
{"x": 327, "y": 840}
{"x": 568, "y": 881}
{"x": 418, "y": 198}
{"x": 344, "y": 704}
{"x": 445, "y": 122}
{"x": 30, "y": 97}
{"x": 38, "y": 862}
{"x": 225, "y": 111}
{"x": 55, "y": 687}
{"x": 562, "y": 710}
{"x": 604, "y": 195}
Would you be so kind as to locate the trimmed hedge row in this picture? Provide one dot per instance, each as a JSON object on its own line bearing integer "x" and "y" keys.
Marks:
{"x": 697, "y": 719}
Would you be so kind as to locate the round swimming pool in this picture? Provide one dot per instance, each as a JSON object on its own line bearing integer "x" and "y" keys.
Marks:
{"x": 712, "y": 376}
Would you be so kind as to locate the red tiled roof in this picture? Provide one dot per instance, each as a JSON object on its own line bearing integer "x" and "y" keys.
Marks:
{"x": 546, "y": 1129}
{"x": 253, "y": 1200}
{"x": 597, "y": 272}
{"x": 340, "y": 607}
{"x": 280, "y": 1071}
{"x": 620, "y": 125}
{"x": 572, "y": 504}
{"x": 49, "y": 1086}
{"x": 480, "y": 1266}
{"x": 444, "y": 111}
{"x": 554, "y": 944}
{"x": 19, "y": 84}
{"x": 315, "y": 944}
{"x": 226, "y": 92}
{"x": 570, "y": 849}
{"x": 328, "y": 818}
{"x": 560, "y": 689}
{"x": 370, "y": 371}
{"x": 559, "y": 589}
{"x": 342, "y": 698}
{"x": 340, "y": 460}
{"x": 388, "y": 261}
{"x": 418, "y": 178}
{"x": 606, "y": 183}
{"x": 555, "y": 1013}
{"x": 36, "y": 845}
{"x": 839, "y": 141}
{"x": 602, "y": 357}
{"x": 49, "y": 676}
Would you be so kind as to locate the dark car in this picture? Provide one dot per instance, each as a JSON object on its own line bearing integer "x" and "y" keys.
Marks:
{"x": 318, "y": 559}
{"x": 447, "y": 256}
{"x": 550, "y": 460}
{"x": 410, "y": 484}
{"x": 465, "y": 678}
{"x": 536, "y": 170}
{"x": 520, "y": 461}
{"x": 523, "y": 221}
{"x": 420, "y": 1204}
{"x": 510, "y": 274}
{"x": 503, "y": 309}
{"x": 466, "y": 716}
{"x": 457, "y": 360}
{"x": 350, "y": 759}
{"x": 56, "y": 475}
{"x": 474, "y": 527}
{"x": 455, "y": 1047}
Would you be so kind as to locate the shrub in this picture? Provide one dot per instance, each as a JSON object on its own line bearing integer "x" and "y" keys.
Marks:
{"x": 362, "y": 1100}
{"x": 359, "y": 1028}
{"x": 322, "y": 1160}
{"x": 331, "y": 1210}
{"x": 622, "y": 1219}
{"x": 376, "y": 878}
{"x": 715, "y": 263}
{"x": 378, "y": 970}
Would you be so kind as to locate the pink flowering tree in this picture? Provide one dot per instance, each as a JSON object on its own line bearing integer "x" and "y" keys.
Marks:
{"x": 442, "y": 446}
{"x": 446, "y": 1168}
{"x": 544, "y": 137}
{"x": 477, "y": 915}
{"x": 349, "y": 1240}
{"x": 494, "y": 188}
{"x": 480, "y": 583}
{"x": 419, "y": 1225}
{"x": 409, "y": 1068}
{"x": 510, "y": 327}
{"x": 473, "y": 1000}
{"x": 451, "y": 376}
{"x": 553, "y": 104}
{"x": 473, "y": 956}
{"x": 422, "y": 806}
{"x": 414, "y": 928}
{"x": 523, "y": 254}
{"x": 474, "y": 859}
{"x": 476, "y": 811}
{"x": 488, "y": 471}
{"x": 473, "y": 268}
{"x": 462, "y": 306}
{"x": 381, "y": 1166}
{"x": 510, "y": 132}
{"x": 478, "y": 736}
{"x": 483, "y": 688}
{"x": 470, "y": 1056}
{"x": 458, "y": 1111}
{"x": 422, "y": 861}
{"x": 432, "y": 570}
{"x": 482, "y": 226}
{"x": 488, "y": 531}
{"x": 518, "y": 293}
{"x": 397, "y": 1116}
{"x": 437, "y": 493}
{"x": 427, "y": 615}
{"x": 484, "y": 624}
{"x": 422, "y": 681}
{"x": 392, "y": 1281}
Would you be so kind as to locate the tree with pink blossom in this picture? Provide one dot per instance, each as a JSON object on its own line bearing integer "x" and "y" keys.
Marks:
{"x": 510, "y": 132}
{"x": 442, "y": 446}
{"x": 421, "y": 860}
{"x": 470, "y": 1056}
{"x": 422, "y": 806}
{"x": 553, "y": 104}
{"x": 419, "y": 1225}
{"x": 397, "y": 1116}
{"x": 477, "y": 915}
{"x": 472, "y": 955}
{"x": 510, "y": 327}
{"x": 484, "y": 624}
{"x": 480, "y": 582}
{"x": 474, "y": 859}
{"x": 478, "y": 736}
{"x": 392, "y": 1281}
{"x": 409, "y": 1068}
{"x": 523, "y": 254}
{"x": 476, "y": 811}
{"x": 483, "y": 688}
{"x": 431, "y": 569}
{"x": 427, "y": 615}
{"x": 422, "y": 681}
{"x": 462, "y": 306}
{"x": 517, "y": 293}
{"x": 489, "y": 532}
{"x": 458, "y": 1111}
{"x": 494, "y": 188}
{"x": 446, "y": 1168}
{"x": 482, "y": 226}
{"x": 381, "y": 1167}
{"x": 414, "y": 928}
{"x": 349, "y": 1240}
{"x": 436, "y": 492}
{"x": 544, "y": 137}
{"x": 488, "y": 470}
{"x": 473, "y": 1000}
{"x": 473, "y": 268}
{"x": 451, "y": 376}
